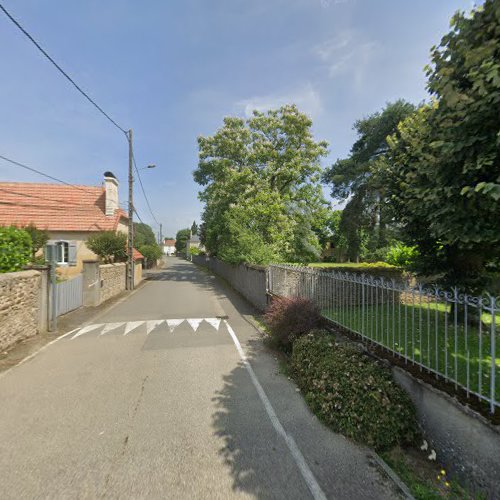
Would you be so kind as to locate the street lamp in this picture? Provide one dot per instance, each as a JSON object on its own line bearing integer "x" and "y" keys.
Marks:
{"x": 149, "y": 166}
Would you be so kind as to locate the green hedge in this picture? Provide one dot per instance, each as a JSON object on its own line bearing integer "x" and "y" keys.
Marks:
{"x": 377, "y": 269}
{"x": 352, "y": 393}
{"x": 15, "y": 249}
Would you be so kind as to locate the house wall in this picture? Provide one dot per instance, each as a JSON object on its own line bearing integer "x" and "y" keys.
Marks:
{"x": 21, "y": 304}
{"x": 82, "y": 251}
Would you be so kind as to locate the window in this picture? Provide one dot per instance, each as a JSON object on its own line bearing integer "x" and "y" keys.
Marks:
{"x": 62, "y": 252}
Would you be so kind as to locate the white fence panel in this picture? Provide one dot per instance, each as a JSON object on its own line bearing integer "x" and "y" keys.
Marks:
{"x": 69, "y": 295}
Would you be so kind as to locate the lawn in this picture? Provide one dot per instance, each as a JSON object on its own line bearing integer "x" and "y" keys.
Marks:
{"x": 429, "y": 335}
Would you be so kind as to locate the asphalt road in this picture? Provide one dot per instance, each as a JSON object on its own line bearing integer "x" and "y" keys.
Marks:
{"x": 157, "y": 400}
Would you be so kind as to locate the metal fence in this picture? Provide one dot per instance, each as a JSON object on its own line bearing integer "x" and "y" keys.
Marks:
{"x": 447, "y": 333}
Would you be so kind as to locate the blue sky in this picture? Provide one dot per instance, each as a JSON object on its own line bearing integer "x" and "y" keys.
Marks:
{"x": 171, "y": 70}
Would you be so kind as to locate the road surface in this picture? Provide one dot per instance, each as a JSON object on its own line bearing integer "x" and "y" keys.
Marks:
{"x": 170, "y": 394}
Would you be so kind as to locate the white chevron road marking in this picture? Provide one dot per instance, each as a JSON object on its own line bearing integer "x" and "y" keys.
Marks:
{"x": 132, "y": 325}
{"x": 215, "y": 322}
{"x": 111, "y": 326}
{"x": 151, "y": 325}
{"x": 194, "y": 322}
{"x": 173, "y": 324}
{"x": 87, "y": 329}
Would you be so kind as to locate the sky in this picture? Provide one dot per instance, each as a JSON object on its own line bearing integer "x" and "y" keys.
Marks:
{"x": 172, "y": 69}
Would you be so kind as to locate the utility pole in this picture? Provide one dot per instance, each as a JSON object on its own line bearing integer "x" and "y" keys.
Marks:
{"x": 161, "y": 234}
{"x": 130, "y": 264}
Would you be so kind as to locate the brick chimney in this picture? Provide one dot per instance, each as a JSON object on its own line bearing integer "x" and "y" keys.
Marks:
{"x": 111, "y": 187}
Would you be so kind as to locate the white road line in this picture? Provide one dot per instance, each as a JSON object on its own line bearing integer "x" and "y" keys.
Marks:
{"x": 306, "y": 472}
{"x": 31, "y": 356}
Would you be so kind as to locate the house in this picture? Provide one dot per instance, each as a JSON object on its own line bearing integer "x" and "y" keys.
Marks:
{"x": 69, "y": 213}
{"x": 193, "y": 242}
{"x": 168, "y": 246}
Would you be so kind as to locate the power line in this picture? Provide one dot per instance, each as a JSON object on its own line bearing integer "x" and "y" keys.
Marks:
{"x": 42, "y": 50}
{"x": 39, "y": 172}
{"x": 144, "y": 191}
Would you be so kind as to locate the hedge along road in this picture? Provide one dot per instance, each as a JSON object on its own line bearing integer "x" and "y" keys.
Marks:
{"x": 171, "y": 395}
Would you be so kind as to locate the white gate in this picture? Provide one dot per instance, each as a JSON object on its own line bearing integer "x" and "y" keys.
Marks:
{"x": 69, "y": 295}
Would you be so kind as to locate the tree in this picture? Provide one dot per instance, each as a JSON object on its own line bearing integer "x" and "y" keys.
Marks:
{"x": 39, "y": 238}
{"x": 143, "y": 235}
{"x": 109, "y": 246}
{"x": 181, "y": 238}
{"x": 15, "y": 249}
{"x": 194, "y": 228}
{"x": 355, "y": 178}
{"x": 443, "y": 167}
{"x": 261, "y": 189}
{"x": 151, "y": 253}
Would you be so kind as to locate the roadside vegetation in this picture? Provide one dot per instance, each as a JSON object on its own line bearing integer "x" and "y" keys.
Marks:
{"x": 354, "y": 394}
{"x": 421, "y": 184}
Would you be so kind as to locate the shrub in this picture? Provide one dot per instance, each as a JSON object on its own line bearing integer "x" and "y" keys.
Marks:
{"x": 151, "y": 253}
{"x": 401, "y": 255}
{"x": 109, "y": 246}
{"x": 352, "y": 393}
{"x": 194, "y": 251}
{"x": 289, "y": 318}
{"x": 15, "y": 249}
{"x": 39, "y": 238}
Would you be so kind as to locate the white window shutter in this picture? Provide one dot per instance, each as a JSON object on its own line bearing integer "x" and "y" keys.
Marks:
{"x": 72, "y": 253}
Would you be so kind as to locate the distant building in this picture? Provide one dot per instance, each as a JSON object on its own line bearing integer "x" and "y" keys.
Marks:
{"x": 193, "y": 242}
{"x": 168, "y": 247}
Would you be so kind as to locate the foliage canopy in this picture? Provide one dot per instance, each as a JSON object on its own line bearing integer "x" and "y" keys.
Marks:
{"x": 109, "y": 246}
{"x": 261, "y": 188}
{"x": 443, "y": 166}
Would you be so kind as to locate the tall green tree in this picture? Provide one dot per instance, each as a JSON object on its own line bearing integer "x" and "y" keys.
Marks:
{"x": 143, "y": 235}
{"x": 261, "y": 187}
{"x": 194, "y": 228}
{"x": 443, "y": 167}
{"x": 181, "y": 238}
{"x": 355, "y": 179}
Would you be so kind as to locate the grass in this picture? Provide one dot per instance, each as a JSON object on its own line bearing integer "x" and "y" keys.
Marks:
{"x": 425, "y": 479}
{"x": 428, "y": 334}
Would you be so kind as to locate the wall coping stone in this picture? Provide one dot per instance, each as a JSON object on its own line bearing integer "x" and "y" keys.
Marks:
{"x": 115, "y": 264}
{"x": 19, "y": 274}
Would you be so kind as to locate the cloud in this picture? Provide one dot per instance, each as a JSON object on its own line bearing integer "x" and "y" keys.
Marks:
{"x": 306, "y": 98}
{"x": 347, "y": 54}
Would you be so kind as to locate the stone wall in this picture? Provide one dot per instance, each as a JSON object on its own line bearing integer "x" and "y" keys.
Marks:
{"x": 137, "y": 272}
{"x": 113, "y": 280}
{"x": 20, "y": 306}
{"x": 249, "y": 280}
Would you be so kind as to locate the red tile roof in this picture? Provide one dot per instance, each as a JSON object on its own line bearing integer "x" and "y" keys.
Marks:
{"x": 56, "y": 207}
{"x": 137, "y": 255}
{"x": 169, "y": 243}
